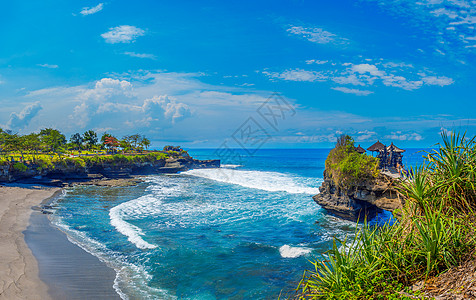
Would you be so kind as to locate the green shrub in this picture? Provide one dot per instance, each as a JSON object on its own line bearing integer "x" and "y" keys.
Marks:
{"x": 44, "y": 164}
{"x": 161, "y": 156}
{"x": 173, "y": 153}
{"x": 347, "y": 167}
{"x": 73, "y": 161}
{"x": 20, "y": 167}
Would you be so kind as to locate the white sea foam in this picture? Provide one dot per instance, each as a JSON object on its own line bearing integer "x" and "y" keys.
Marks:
{"x": 267, "y": 181}
{"x": 287, "y": 251}
{"x": 132, "y": 232}
{"x": 230, "y": 166}
{"x": 132, "y": 280}
{"x": 129, "y": 277}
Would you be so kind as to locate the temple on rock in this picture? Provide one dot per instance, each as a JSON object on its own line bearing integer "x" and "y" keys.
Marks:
{"x": 391, "y": 157}
{"x": 360, "y": 149}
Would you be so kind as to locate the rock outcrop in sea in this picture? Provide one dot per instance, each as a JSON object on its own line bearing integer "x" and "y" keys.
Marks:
{"x": 366, "y": 198}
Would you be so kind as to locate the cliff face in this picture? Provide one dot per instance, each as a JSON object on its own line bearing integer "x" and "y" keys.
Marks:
{"x": 366, "y": 198}
{"x": 71, "y": 172}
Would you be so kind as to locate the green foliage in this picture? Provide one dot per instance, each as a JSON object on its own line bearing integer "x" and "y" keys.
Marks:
{"x": 346, "y": 166}
{"x": 119, "y": 159}
{"x": 76, "y": 140}
{"x": 173, "y": 153}
{"x": 104, "y": 136}
{"x": 453, "y": 172}
{"x": 90, "y": 138}
{"x": 45, "y": 149}
{"x": 379, "y": 262}
{"x": 52, "y": 139}
{"x": 44, "y": 163}
{"x": 20, "y": 167}
{"x": 161, "y": 156}
{"x": 436, "y": 232}
{"x": 73, "y": 162}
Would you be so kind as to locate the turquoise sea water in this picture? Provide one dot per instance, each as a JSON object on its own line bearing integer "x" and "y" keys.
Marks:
{"x": 244, "y": 231}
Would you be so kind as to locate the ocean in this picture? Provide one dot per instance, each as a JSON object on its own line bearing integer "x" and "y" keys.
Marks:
{"x": 245, "y": 231}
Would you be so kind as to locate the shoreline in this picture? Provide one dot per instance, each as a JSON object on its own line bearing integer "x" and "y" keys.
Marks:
{"x": 68, "y": 270}
{"x": 19, "y": 271}
{"x": 37, "y": 260}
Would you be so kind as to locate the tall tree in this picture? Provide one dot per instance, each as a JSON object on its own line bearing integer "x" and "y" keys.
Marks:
{"x": 90, "y": 138}
{"x": 32, "y": 143}
{"x": 14, "y": 143}
{"x": 77, "y": 140}
{"x": 104, "y": 136}
{"x": 52, "y": 139}
{"x": 111, "y": 143}
{"x": 125, "y": 144}
{"x": 144, "y": 142}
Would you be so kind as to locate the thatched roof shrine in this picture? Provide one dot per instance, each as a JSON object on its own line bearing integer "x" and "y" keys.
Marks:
{"x": 360, "y": 149}
{"x": 377, "y": 147}
{"x": 394, "y": 148}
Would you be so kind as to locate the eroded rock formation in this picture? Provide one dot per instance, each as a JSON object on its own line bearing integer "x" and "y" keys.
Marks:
{"x": 367, "y": 197}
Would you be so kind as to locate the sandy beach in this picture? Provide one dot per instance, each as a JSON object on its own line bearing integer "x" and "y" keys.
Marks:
{"x": 19, "y": 277}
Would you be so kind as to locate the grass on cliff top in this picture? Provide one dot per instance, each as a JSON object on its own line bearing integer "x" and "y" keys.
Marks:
{"x": 435, "y": 233}
{"x": 50, "y": 162}
{"x": 346, "y": 167}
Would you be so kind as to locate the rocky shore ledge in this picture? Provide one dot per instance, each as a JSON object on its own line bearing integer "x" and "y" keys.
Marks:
{"x": 366, "y": 198}
{"x": 101, "y": 173}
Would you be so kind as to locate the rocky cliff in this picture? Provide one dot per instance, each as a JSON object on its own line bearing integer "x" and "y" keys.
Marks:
{"x": 367, "y": 197}
{"x": 68, "y": 171}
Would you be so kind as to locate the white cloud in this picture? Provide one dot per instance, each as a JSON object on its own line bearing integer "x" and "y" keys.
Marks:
{"x": 350, "y": 79}
{"x": 297, "y": 75}
{"x": 444, "y": 12}
{"x": 448, "y": 22}
{"x": 22, "y": 119}
{"x": 170, "y": 108}
{"x": 113, "y": 99}
{"x": 179, "y": 108}
{"x": 367, "y": 74}
{"x": 401, "y": 82}
{"x": 92, "y": 10}
{"x": 48, "y": 66}
{"x": 394, "y": 65}
{"x": 122, "y": 34}
{"x": 108, "y": 87}
{"x": 316, "y": 61}
{"x": 141, "y": 55}
{"x": 364, "y": 135}
{"x": 399, "y": 136}
{"x": 352, "y": 91}
{"x": 391, "y": 74}
{"x": 434, "y": 80}
{"x": 315, "y": 35}
{"x": 163, "y": 106}
{"x": 366, "y": 68}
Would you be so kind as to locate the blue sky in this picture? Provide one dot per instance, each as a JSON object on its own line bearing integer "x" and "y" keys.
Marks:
{"x": 194, "y": 72}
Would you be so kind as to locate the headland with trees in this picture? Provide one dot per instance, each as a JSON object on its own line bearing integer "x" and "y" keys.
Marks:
{"x": 49, "y": 153}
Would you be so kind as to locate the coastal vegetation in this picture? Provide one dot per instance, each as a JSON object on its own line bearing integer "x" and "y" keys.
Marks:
{"x": 345, "y": 166}
{"x": 49, "y": 148}
{"x": 435, "y": 233}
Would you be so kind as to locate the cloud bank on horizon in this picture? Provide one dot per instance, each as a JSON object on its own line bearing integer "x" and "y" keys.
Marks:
{"x": 193, "y": 74}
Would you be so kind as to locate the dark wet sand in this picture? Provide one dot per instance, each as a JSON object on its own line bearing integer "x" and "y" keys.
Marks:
{"x": 69, "y": 271}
